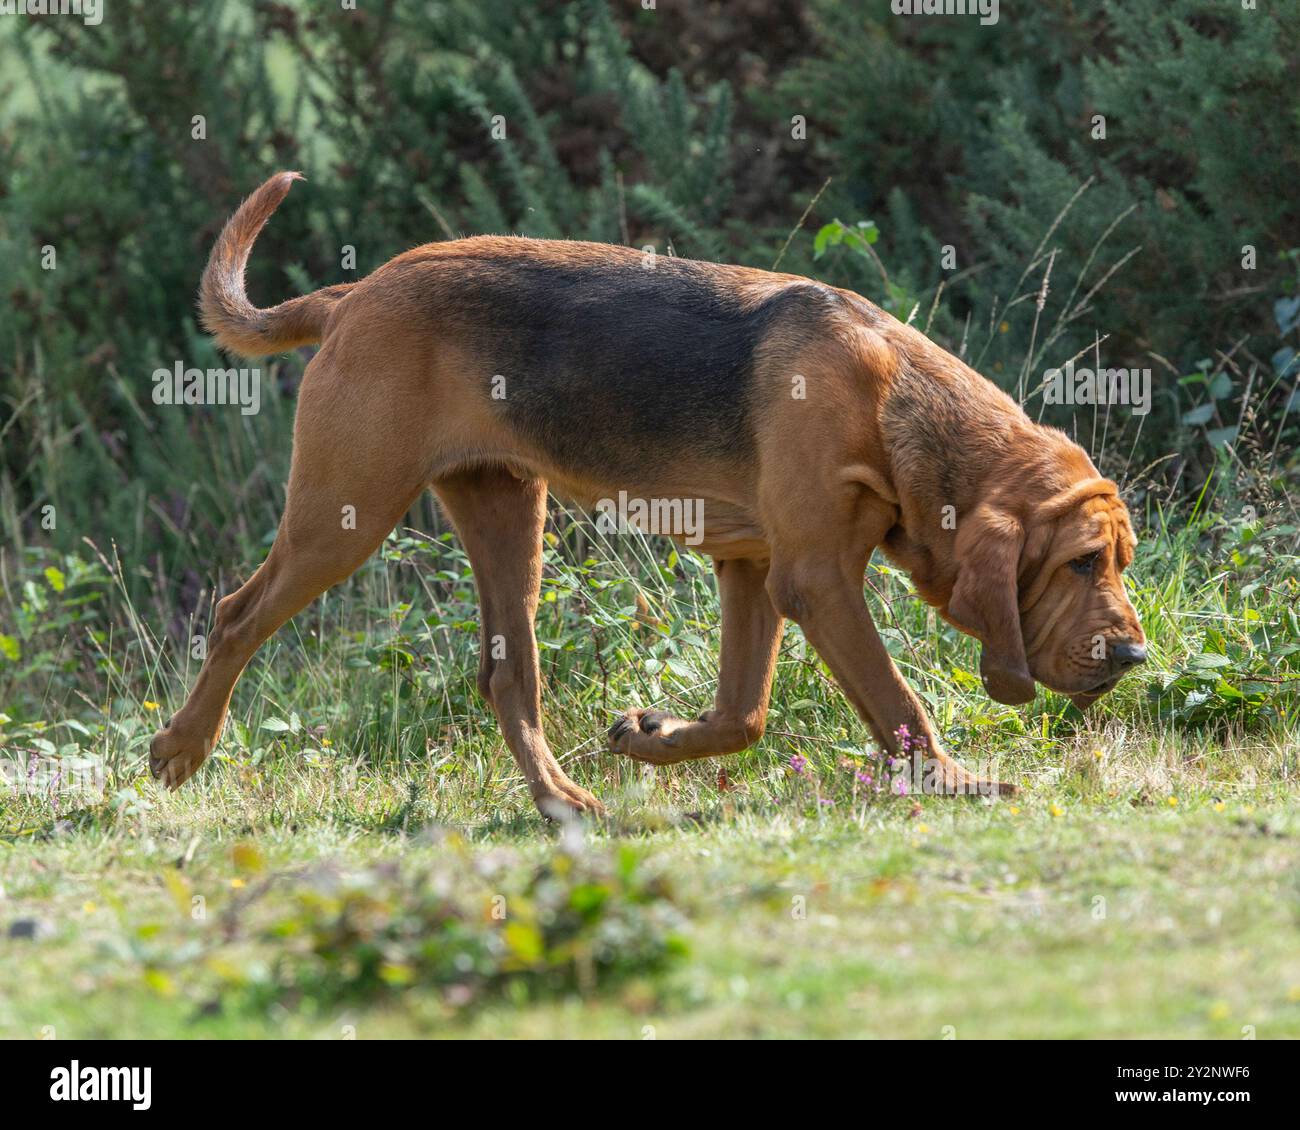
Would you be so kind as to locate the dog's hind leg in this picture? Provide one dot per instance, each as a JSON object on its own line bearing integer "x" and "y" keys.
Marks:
{"x": 353, "y": 476}
{"x": 500, "y": 519}
{"x": 751, "y": 632}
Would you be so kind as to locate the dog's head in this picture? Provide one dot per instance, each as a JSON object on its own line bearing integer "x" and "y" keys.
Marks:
{"x": 1039, "y": 583}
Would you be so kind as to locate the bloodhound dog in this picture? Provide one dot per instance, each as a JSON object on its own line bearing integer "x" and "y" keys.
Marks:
{"x": 814, "y": 428}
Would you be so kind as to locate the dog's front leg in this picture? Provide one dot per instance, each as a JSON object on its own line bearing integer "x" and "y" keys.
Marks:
{"x": 824, "y": 596}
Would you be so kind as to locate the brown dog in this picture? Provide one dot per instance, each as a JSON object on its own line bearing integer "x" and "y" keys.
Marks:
{"x": 813, "y": 427}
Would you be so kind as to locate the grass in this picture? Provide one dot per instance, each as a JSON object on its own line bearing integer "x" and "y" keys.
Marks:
{"x": 1108, "y": 918}
{"x": 1144, "y": 882}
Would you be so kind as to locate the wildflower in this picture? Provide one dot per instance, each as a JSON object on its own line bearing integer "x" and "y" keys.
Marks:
{"x": 1014, "y": 810}
{"x": 900, "y": 786}
{"x": 1172, "y": 802}
{"x": 863, "y": 778}
{"x": 235, "y": 884}
{"x": 149, "y": 705}
{"x": 1219, "y": 806}
{"x": 1056, "y": 810}
{"x": 798, "y": 763}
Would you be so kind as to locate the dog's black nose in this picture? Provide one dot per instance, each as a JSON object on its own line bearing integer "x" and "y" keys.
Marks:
{"x": 1126, "y": 655}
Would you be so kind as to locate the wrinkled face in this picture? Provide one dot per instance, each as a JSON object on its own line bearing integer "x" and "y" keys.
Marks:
{"x": 1040, "y": 587}
{"x": 1080, "y": 631}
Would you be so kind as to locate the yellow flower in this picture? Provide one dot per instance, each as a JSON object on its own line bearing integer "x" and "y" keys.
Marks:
{"x": 1014, "y": 810}
{"x": 1219, "y": 806}
{"x": 1172, "y": 802}
{"x": 88, "y": 908}
{"x": 236, "y": 883}
{"x": 1056, "y": 810}
{"x": 1098, "y": 754}
{"x": 923, "y": 827}
{"x": 151, "y": 706}
{"x": 326, "y": 741}
{"x": 1219, "y": 1010}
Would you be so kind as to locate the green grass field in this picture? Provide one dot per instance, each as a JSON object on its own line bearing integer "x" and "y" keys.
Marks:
{"x": 361, "y": 857}
{"x": 1110, "y": 919}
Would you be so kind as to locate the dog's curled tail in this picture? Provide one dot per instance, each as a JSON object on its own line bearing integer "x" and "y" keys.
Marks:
{"x": 236, "y": 323}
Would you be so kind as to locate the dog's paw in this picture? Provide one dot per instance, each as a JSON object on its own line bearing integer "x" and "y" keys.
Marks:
{"x": 997, "y": 788}
{"x": 981, "y": 786}
{"x": 564, "y": 800}
{"x": 646, "y": 735}
{"x": 174, "y": 758}
{"x": 959, "y": 781}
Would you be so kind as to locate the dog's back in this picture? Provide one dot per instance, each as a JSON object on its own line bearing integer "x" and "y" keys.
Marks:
{"x": 603, "y": 363}
{"x": 581, "y": 343}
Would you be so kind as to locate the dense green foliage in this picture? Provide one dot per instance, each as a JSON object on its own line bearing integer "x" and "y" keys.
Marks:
{"x": 671, "y": 128}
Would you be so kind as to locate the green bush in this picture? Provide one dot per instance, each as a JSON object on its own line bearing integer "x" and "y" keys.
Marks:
{"x": 982, "y": 139}
{"x": 581, "y": 924}
{"x": 941, "y": 132}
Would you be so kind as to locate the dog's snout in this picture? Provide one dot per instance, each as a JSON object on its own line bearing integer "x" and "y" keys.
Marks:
{"x": 1126, "y": 655}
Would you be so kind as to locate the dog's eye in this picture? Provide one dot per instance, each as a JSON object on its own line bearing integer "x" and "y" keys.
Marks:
{"x": 1083, "y": 565}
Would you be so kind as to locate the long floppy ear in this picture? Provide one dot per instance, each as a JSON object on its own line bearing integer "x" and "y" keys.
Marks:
{"x": 985, "y": 601}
